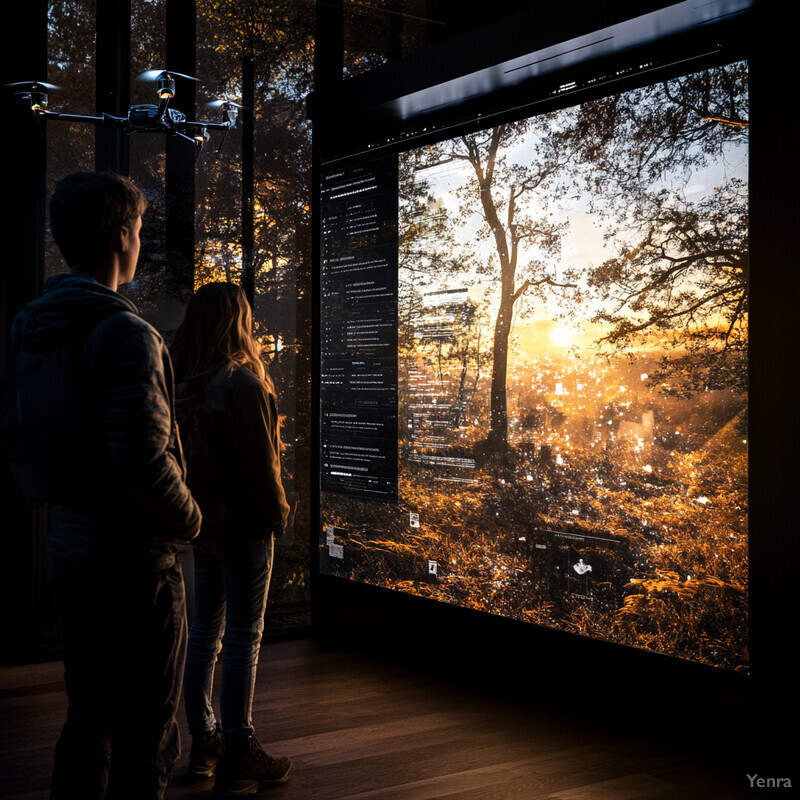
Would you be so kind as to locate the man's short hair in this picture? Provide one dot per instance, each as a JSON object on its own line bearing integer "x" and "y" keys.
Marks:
{"x": 85, "y": 210}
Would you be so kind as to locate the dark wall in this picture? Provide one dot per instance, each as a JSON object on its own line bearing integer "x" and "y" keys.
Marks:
{"x": 22, "y": 149}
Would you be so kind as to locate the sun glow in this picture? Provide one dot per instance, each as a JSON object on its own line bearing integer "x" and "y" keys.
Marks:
{"x": 561, "y": 335}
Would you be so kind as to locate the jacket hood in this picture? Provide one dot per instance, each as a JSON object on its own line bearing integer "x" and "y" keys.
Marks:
{"x": 70, "y": 305}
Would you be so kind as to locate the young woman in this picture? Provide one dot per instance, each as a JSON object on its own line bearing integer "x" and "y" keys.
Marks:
{"x": 227, "y": 414}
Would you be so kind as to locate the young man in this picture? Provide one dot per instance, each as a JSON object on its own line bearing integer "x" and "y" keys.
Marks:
{"x": 90, "y": 428}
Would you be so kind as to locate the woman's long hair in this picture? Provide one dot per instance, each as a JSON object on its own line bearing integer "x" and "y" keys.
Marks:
{"x": 216, "y": 332}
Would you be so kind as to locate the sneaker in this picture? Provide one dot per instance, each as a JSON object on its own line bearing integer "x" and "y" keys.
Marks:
{"x": 246, "y": 769}
{"x": 204, "y": 755}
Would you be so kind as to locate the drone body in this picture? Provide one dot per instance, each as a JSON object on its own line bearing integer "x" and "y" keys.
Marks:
{"x": 142, "y": 118}
{"x": 148, "y": 118}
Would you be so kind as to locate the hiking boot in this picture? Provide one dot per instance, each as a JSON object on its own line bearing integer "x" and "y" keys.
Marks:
{"x": 246, "y": 769}
{"x": 204, "y": 755}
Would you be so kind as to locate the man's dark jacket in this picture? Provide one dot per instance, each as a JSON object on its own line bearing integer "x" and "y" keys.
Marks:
{"x": 99, "y": 389}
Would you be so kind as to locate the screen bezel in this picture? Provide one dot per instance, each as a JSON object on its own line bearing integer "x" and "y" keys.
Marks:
{"x": 381, "y": 136}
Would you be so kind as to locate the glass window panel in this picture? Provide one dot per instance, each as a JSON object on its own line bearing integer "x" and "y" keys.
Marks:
{"x": 277, "y": 38}
{"x": 151, "y": 290}
{"x": 71, "y": 67}
{"x": 377, "y": 31}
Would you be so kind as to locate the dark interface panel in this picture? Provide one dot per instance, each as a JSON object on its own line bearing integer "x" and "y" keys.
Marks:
{"x": 359, "y": 331}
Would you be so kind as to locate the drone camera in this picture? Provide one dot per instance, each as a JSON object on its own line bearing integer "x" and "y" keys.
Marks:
{"x": 143, "y": 116}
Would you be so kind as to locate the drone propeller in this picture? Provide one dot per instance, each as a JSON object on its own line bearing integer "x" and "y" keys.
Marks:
{"x": 155, "y": 74}
{"x": 165, "y": 80}
{"x": 35, "y": 91}
{"x": 223, "y": 103}
{"x": 33, "y": 84}
{"x": 230, "y": 110}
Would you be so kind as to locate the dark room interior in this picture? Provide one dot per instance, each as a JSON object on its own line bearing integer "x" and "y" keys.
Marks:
{"x": 540, "y": 542}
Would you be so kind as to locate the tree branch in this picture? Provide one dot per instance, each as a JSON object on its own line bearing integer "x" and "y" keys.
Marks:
{"x": 528, "y": 283}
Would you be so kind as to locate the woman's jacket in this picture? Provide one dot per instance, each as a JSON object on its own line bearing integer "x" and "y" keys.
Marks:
{"x": 229, "y": 427}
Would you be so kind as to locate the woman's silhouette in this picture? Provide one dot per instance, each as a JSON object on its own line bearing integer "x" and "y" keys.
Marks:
{"x": 228, "y": 419}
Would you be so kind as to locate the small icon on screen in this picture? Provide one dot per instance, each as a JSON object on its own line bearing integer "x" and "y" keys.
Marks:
{"x": 582, "y": 567}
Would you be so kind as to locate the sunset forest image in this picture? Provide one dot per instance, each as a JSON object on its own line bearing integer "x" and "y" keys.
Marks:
{"x": 572, "y": 373}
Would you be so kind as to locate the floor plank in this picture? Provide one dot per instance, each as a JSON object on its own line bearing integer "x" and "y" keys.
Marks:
{"x": 359, "y": 727}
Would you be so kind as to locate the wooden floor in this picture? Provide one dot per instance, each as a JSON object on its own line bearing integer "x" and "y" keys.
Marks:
{"x": 358, "y": 726}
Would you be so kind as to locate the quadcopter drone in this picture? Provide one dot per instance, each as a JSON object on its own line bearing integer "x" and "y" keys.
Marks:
{"x": 143, "y": 118}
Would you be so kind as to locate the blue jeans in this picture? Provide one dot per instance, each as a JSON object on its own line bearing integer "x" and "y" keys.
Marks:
{"x": 230, "y": 598}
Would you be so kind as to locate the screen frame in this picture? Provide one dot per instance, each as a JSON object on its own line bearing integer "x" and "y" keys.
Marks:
{"x": 342, "y": 607}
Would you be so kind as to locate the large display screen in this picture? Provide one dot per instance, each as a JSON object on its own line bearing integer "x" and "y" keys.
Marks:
{"x": 534, "y": 369}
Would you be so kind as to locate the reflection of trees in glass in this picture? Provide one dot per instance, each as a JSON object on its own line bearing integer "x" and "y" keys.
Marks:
{"x": 260, "y": 54}
{"x": 160, "y": 287}
{"x": 264, "y": 50}
{"x": 268, "y": 48}
{"x": 376, "y": 31}
{"x": 148, "y": 51}
{"x": 71, "y": 66}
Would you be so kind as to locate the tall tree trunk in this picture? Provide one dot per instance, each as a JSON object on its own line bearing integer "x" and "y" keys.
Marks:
{"x": 498, "y": 424}
{"x": 497, "y": 438}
